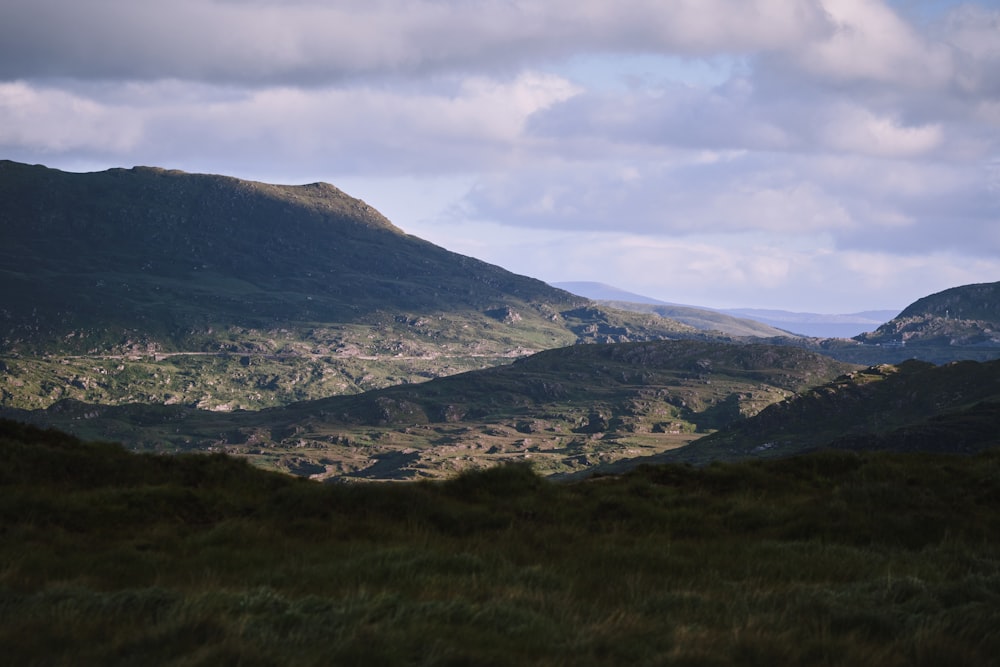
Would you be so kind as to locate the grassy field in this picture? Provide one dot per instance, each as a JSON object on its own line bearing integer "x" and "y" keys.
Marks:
{"x": 112, "y": 558}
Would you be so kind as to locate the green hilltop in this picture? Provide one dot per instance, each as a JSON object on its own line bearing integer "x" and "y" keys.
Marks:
{"x": 704, "y": 319}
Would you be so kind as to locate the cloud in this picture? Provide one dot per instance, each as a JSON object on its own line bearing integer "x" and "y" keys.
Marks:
{"x": 681, "y": 198}
{"x": 872, "y": 43}
{"x": 759, "y": 146}
{"x": 462, "y": 124}
{"x": 321, "y": 42}
{"x": 55, "y": 121}
{"x": 860, "y": 131}
{"x": 726, "y": 270}
{"x": 854, "y": 203}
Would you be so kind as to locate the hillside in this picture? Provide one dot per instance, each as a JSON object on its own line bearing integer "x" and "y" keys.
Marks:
{"x": 166, "y": 287}
{"x": 564, "y": 410}
{"x": 913, "y": 406}
{"x": 817, "y": 325}
{"x": 736, "y": 321}
{"x": 114, "y": 559}
{"x": 602, "y": 292}
{"x": 966, "y": 316}
{"x": 703, "y": 319}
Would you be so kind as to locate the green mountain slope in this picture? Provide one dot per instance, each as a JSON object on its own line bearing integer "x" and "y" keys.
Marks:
{"x": 564, "y": 410}
{"x": 961, "y": 316}
{"x": 161, "y": 286}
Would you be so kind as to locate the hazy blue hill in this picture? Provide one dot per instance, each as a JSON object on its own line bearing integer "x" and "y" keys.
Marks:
{"x": 817, "y": 325}
{"x": 706, "y": 320}
{"x": 968, "y": 316}
{"x": 703, "y": 319}
{"x": 758, "y": 322}
{"x": 602, "y": 292}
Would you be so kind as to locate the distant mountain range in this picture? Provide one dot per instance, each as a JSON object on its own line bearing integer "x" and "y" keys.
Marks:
{"x": 818, "y": 325}
{"x": 778, "y": 322}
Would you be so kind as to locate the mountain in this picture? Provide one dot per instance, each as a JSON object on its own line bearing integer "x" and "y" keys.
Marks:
{"x": 297, "y": 327}
{"x": 602, "y": 292}
{"x": 736, "y": 321}
{"x": 172, "y": 255}
{"x": 966, "y": 316}
{"x": 817, "y": 325}
{"x": 912, "y": 406}
{"x": 564, "y": 410}
{"x": 160, "y": 286}
{"x": 703, "y": 319}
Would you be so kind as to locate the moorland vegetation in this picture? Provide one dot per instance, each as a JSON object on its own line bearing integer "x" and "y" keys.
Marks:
{"x": 833, "y": 558}
{"x": 297, "y": 328}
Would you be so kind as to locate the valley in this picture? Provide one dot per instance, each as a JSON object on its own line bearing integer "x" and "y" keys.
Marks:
{"x": 254, "y": 424}
{"x": 565, "y": 410}
{"x": 298, "y": 328}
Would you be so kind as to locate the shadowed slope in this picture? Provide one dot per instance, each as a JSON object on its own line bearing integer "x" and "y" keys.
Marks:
{"x": 263, "y": 294}
{"x": 170, "y": 254}
{"x": 914, "y": 406}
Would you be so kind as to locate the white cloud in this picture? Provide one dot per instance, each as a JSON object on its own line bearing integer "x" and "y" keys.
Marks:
{"x": 860, "y": 131}
{"x": 684, "y": 196}
{"x": 54, "y": 121}
{"x": 721, "y": 270}
{"x": 456, "y": 127}
{"x": 871, "y": 42}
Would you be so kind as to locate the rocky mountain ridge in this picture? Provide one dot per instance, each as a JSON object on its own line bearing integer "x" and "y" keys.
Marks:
{"x": 161, "y": 286}
{"x": 964, "y": 316}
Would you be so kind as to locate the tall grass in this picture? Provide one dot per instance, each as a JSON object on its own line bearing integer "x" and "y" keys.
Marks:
{"x": 108, "y": 558}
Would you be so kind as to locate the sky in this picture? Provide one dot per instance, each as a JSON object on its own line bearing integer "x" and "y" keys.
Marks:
{"x": 826, "y": 156}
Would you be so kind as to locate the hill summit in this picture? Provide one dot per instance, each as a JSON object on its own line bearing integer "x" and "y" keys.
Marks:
{"x": 961, "y": 316}
{"x": 159, "y": 286}
{"x": 168, "y": 254}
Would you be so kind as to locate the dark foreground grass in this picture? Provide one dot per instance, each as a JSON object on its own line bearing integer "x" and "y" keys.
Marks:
{"x": 110, "y": 558}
